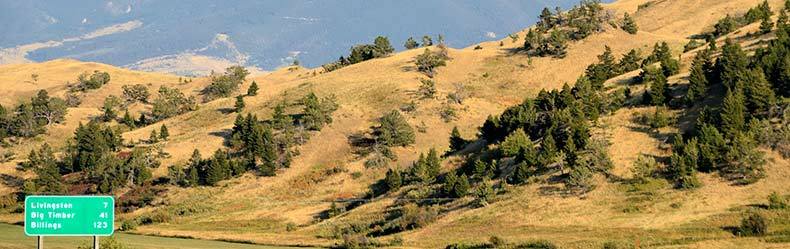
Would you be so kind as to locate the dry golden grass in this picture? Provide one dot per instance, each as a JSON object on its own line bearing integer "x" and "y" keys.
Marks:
{"x": 493, "y": 78}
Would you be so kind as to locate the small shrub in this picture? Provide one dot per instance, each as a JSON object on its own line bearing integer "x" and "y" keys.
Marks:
{"x": 128, "y": 225}
{"x": 644, "y": 167}
{"x": 290, "y": 227}
{"x": 775, "y": 201}
{"x": 478, "y": 47}
{"x": 753, "y": 225}
{"x": 448, "y": 113}
{"x": 540, "y": 244}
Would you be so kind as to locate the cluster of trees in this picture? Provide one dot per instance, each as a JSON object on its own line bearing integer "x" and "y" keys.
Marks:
{"x": 381, "y": 47}
{"x": 427, "y": 41}
{"x": 761, "y": 12}
{"x": 223, "y": 85}
{"x": 257, "y": 145}
{"x": 31, "y": 118}
{"x": 95, "y": 154}
{"x": 169, "y": 102}
{"x": 727, "y": 134}
{"x": 555, "y": 29}
{"x": 89, "y": 81}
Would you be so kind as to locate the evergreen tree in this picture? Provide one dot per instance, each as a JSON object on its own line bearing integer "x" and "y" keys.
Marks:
{"x": 427, "y": 41}
{"x": 782, "y": 21}
{"x": 281, "y": 120}
{"x": 128, "y": 120}
{"x": 433, "y": 163}
{"x": 630, "y": 61}
{"x": 457, "y": 142}
{"x": 698, "y": 78}
{"x": 521, "y": 173}
{"x": 732, "y": 64}
{"x": 428, "y": 61}
{"x": 239, "y": 105}
{"x": 253, "y": 89}
{"x": 533, "y": 40}
{"x": 483, "y": 170}
{"x": 193, "y": 169}
{"x": 461, "y": 187}
{"x": 659, "y": 92}
{"x": 711, "y": 145}
{"x": 217, "y": 168}
{"x": 766, "y": 25}
{"x": 733, "y": 113}
{"x": 744, "y": 162}
{"x": 164, "y": 134}
{"x": 393, "y": 130}
{"x": 411, "y": 44}
{"x": 629, "y": 25}
{"x": 154, "y": 137}
{"x": 317, "y": 113}
{"x": 515, "y": 143}
{"x": 48, "y": 179}
{"x": 382, "y": 46}
{"x": 419, "y": 171}
{"x": 758, "y": 93}
{"x": 724, "y": 26}
{"x": 393, "y": 180}
{"x": 546, "y": 20}
{"x": 682, "y": 168}
{"x": 268, "y": 153}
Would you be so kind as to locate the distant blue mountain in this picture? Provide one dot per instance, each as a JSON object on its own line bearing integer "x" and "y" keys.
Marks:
{"x": 266, "y": 34}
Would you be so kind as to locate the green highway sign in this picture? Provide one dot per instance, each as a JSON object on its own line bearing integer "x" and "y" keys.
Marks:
{"x": 69, "y": 215}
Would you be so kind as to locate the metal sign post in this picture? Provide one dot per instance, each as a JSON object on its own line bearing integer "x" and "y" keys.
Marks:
{"x": 92, "y": 216}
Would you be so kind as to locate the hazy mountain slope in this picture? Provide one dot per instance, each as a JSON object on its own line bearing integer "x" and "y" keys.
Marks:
{"x": 271, "y": 33}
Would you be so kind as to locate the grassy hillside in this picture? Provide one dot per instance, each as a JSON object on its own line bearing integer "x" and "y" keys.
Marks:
{"x": 284, "y": 209}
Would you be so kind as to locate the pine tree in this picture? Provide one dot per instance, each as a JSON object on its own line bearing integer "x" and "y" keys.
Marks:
{"x": 217, "y": 168}
{"x": 457, "y": 142}
{"x": 698, "y": 79}
{"x": 281, "y": 120}
{"x": 733, "y": 113}
{"x": 515, "y": 142}
{"x": 521, "y": 173}
{"x": 782, "y": 21}
{"x": 732, "y": 64}
{"x": 427, "y": 41}
{"x": 411, "y": 43}
{"x": 253, "y": 89}
{"x": 630, "y": 61}
{"x": 193, "y": 168}
{"x": 629, "y": 25}
{"x": 759, "y": 95}
{"x": 450, "y": 180}
{"x": 433, "y": 163}
{"x": 659, "y": 92}
{"x": 533, "y": 40}
{"x": 683, "y": 164}
{"x": 239, "y": 104}
{"x": 744, "y": 162}
{"x": 394, "y": 130}
{"x": 382, "y": 46}
{"x": 461, "y": 187}
{"x": 711, "y": 145}
{"x": 766, "y": 25}
{"x": 154, "y": 137}
{"x": 393, "y": 180}
{"x": 48, "y": 179}
{"x": 128, "y": 120}
{"x": 163, "y": 133}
